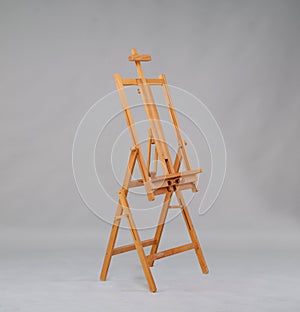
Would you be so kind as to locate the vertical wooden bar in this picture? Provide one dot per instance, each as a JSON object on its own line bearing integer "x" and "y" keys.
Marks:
{"x": 175, "y": 122}
{"x": 161, "y": 224}
{"x": 150, "y": 138}
{"x": 128, "y": 116}
{"x": 137, "y": 242}
{"x": 154, "y": 120}
{"x": 115, "y": 226}
{"x": 164, "y": 211}
{"x": 111, "y": 243}
{"x": 192, "y": 233}
{"x": 155, "y": 162}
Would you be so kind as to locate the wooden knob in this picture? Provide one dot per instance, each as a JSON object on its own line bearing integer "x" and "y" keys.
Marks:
{"x": 135, "y": 57}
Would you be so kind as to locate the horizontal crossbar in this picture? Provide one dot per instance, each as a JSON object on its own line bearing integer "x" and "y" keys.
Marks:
{"x": 162, "y": 190}
{"x": 138, "y": 81}
{"x": 125, "y": 248}
{"x": 170, "y": 252}
{"x": 185, "y": 177}
{"x": 181, "y": 187}
{"x": 139, "y": 57}
{"x": 176, "y": 175}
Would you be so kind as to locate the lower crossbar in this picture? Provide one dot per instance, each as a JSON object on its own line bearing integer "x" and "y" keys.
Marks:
{"x": 170, "y": 252}
{"x": 125, "y": 248}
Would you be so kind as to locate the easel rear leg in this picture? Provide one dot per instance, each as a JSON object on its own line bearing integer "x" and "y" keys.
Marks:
{"x": 137, "y": 242}
{"x": 192, "y": 233}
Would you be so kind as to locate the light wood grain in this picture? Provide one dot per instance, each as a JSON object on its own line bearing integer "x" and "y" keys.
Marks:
{"x": 138, "y": 81}
{"x": 173, "y": 181}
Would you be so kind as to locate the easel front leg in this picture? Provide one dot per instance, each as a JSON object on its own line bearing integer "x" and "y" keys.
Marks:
{"x": 192, "y": 233}
{"x": 137, "y": 242}
{"x": 161, "y": 224}
{"x": 111, "y": 243}
{"x": 115, "y": 227}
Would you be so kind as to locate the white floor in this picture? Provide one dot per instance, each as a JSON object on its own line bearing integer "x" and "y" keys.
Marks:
{"x": 62, "y": 275}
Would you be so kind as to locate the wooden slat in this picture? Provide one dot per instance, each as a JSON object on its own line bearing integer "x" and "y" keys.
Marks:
{"x": 125, "y": 248}
{"x": 170, "y": 252}
{"x": 138, "y": 81}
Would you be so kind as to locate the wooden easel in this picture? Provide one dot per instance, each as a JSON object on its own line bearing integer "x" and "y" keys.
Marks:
{"x": 172, "y": 182}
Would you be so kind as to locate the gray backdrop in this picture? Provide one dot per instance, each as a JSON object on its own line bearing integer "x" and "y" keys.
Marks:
{"x": 242, "y": 59}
